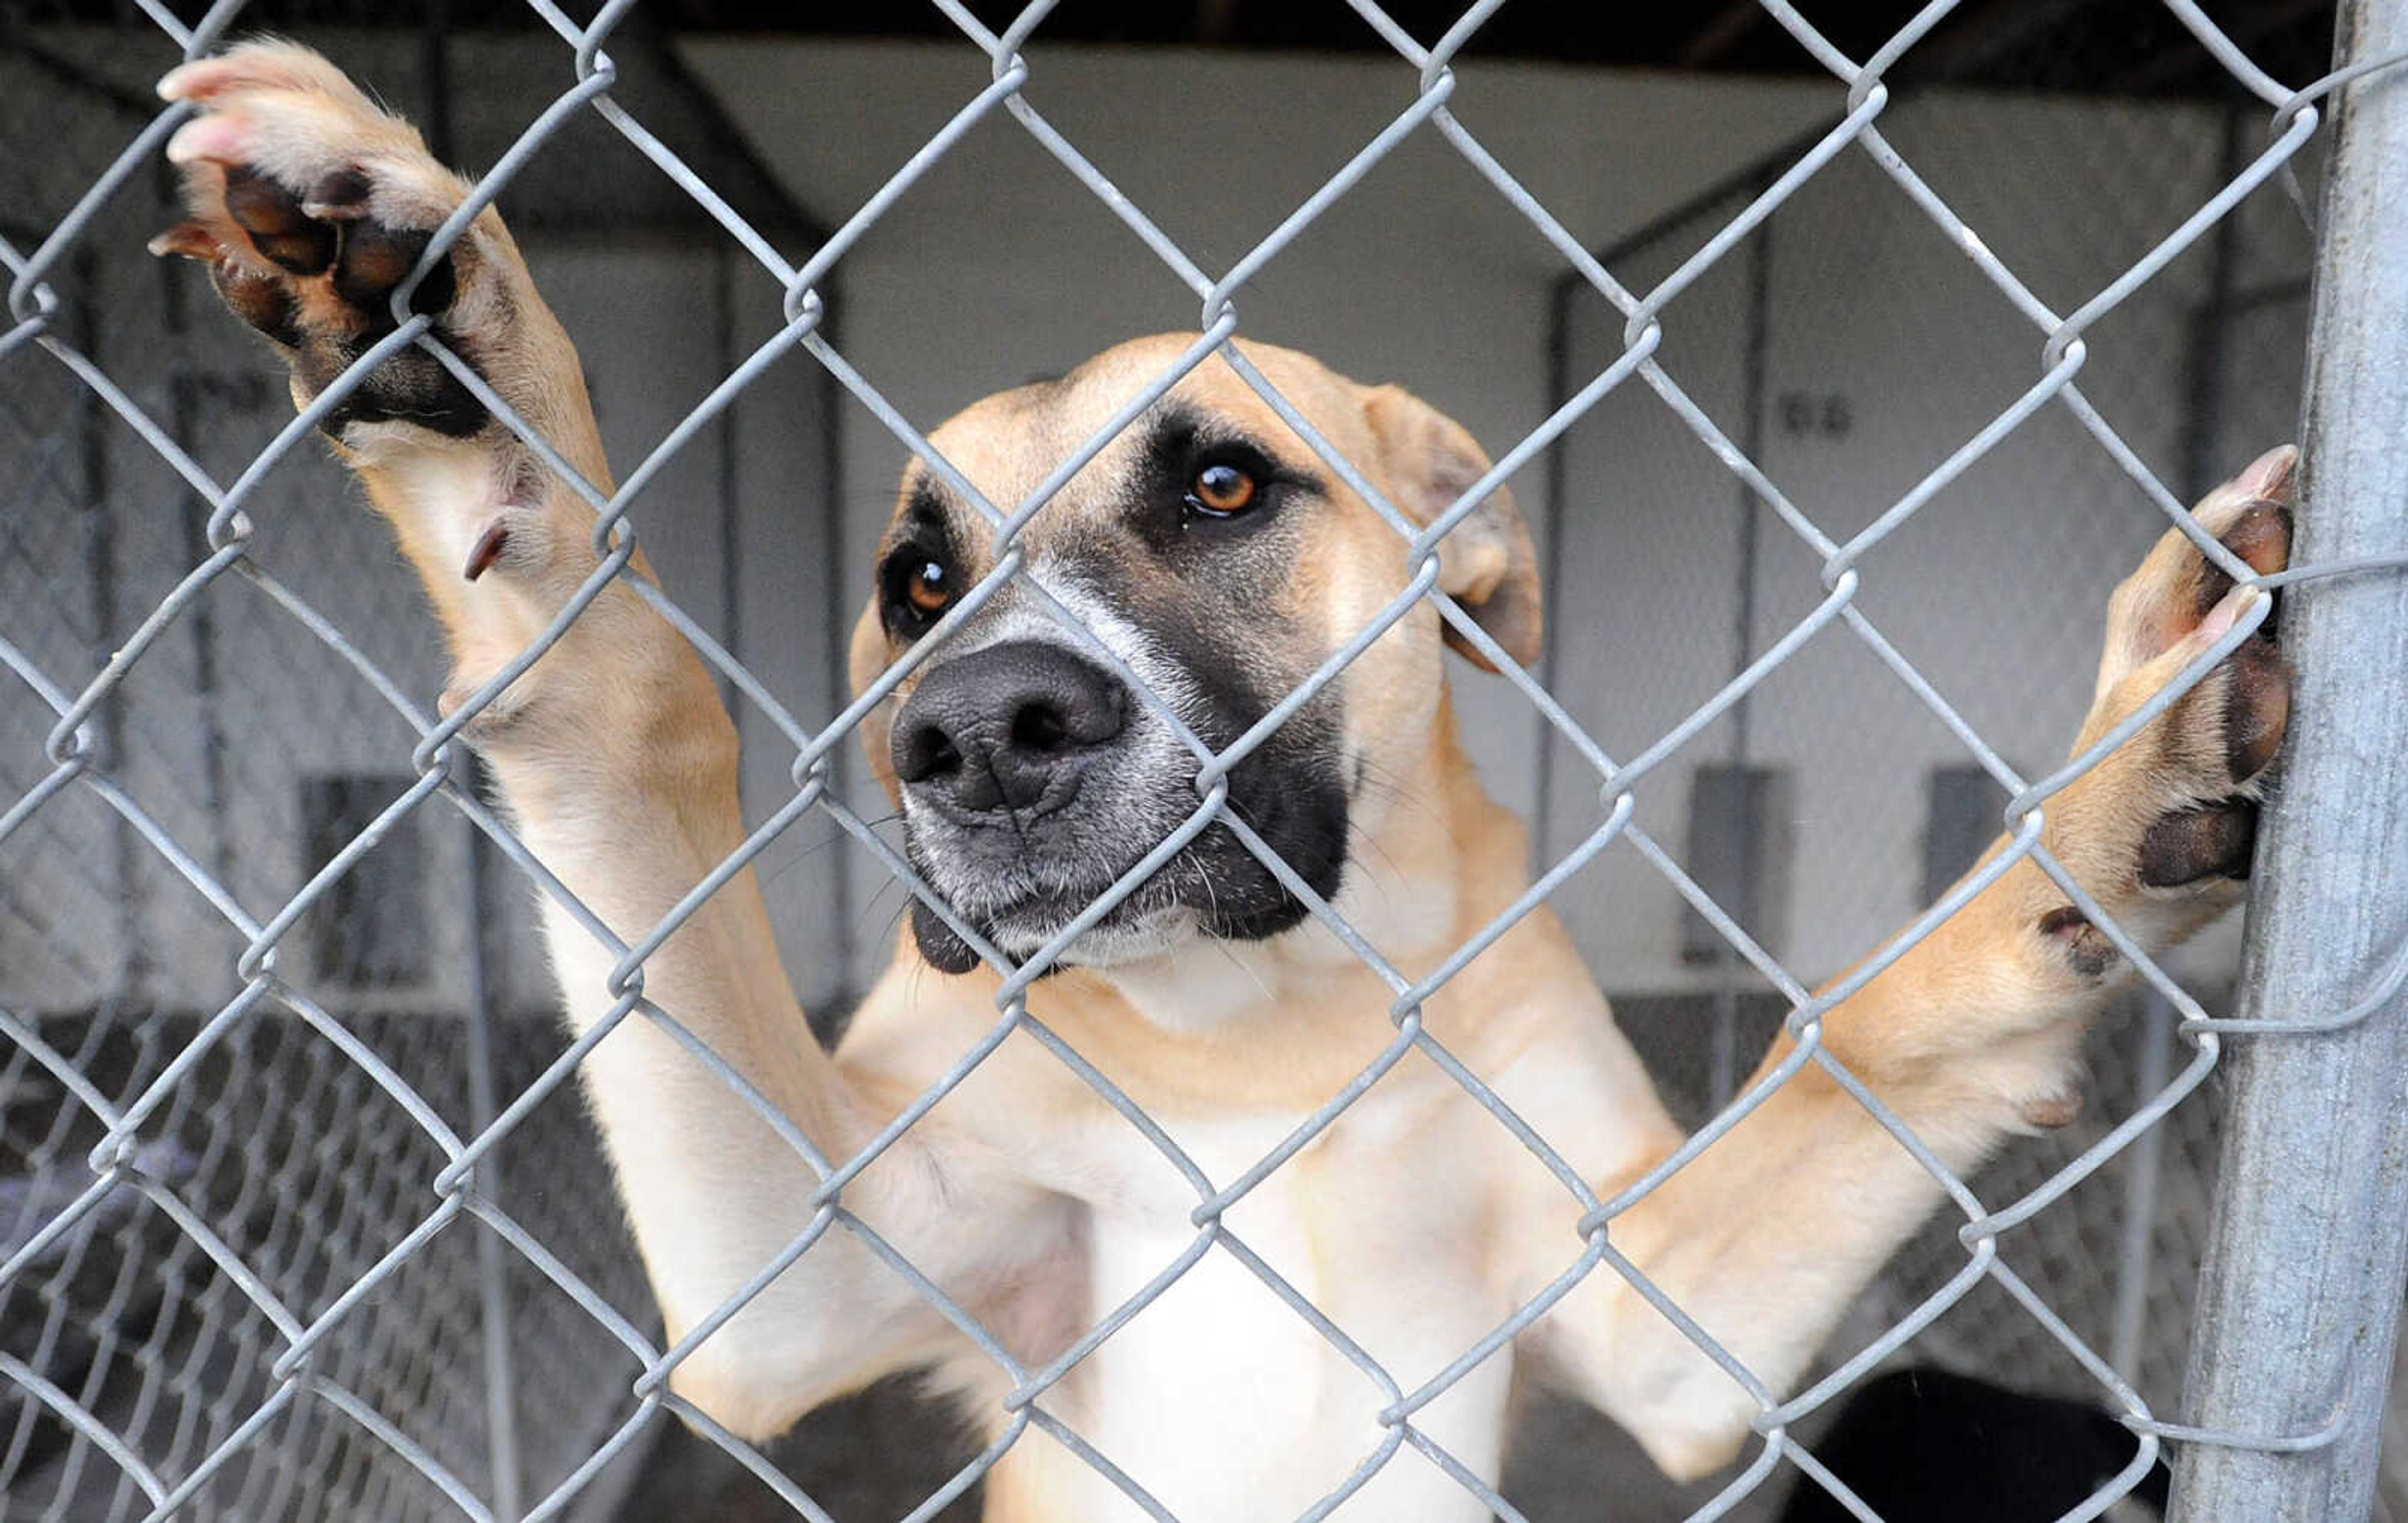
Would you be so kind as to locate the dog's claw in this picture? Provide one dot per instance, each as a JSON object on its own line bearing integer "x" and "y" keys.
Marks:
{"x": 194, "y": 80}
{"x": 487, "y": 549}
{"x": 2270, "y": 478}
{"x": 189, "y": 240}
{"x": 217, "y": 137}
{"x": 341, "y": 196}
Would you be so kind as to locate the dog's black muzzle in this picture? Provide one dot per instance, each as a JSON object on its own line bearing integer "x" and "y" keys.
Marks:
{"x": 1013, "y": 727}
{"x": 1030, "y": 787}
{"x": 993, "y": 750}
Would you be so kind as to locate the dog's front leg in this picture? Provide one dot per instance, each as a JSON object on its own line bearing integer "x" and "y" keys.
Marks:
{"x": 310, "y": 206}
{"x": 1973, "y": 1034}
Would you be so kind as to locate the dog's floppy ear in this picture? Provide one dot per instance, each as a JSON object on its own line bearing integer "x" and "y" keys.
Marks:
{"x": 867, "y": 660}
{"x": 1485, "y": 562}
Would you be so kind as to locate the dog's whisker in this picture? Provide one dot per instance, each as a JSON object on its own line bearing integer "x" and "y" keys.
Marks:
{"x": 805, "y": 852}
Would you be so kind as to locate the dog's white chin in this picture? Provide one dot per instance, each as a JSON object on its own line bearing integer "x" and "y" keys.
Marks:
{"x": 1177, "y": 975}
{"x": 1112, "y": 945}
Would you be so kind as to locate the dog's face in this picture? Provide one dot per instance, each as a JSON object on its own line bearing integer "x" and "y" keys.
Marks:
{"x": 1219, "y": 561}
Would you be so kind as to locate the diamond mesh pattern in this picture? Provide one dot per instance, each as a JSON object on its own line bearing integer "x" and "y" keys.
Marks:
{"x": 239, "y": 1274}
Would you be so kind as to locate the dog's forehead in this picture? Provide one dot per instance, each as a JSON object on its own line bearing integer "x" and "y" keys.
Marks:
{"x": 1007, "y": 444}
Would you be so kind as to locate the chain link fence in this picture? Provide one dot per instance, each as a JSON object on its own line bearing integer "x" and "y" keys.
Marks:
{"x": 301, "y": 1215}
{"x": 1845, "y": 333}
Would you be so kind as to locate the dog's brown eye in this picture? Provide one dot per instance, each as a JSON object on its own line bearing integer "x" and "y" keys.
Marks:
{"x": 917, "y": 585}
{"x": 1223, "y": 490}
{"x": 928, "y": 589}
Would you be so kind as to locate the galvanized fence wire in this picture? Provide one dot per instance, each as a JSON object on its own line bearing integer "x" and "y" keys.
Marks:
{"x": 77, "y": 760}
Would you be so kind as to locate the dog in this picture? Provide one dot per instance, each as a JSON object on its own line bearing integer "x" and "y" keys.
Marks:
{"x": 1211, "y": 554}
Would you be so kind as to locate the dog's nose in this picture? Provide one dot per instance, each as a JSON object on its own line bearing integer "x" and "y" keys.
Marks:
{"x": 1011, "y": 727}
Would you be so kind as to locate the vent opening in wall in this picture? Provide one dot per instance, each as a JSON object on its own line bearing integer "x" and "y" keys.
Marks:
{"x": 1966, "y": 805}
{"x": 1741, "y": 838}
{"x": 370, "y": 930}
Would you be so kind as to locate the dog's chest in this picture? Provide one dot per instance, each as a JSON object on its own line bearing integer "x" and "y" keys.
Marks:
{"x": 1223, "y": 1399}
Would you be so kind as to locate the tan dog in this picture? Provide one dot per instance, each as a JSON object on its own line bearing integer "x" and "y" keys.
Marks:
{"x": 1211, "y": 554}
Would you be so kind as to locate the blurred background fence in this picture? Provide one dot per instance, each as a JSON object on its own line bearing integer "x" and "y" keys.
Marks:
{"x": 1844, "y": 345}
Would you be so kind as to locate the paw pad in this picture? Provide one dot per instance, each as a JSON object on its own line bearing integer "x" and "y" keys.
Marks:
{"x": 2053, "y": 1112}
{"x": 284, "y": 234}
{"x": 311, "y": 257}
{"x": 2084, "y": 945}
{"x": 2212, "y": 841}
{"x": 2256, "y": 708}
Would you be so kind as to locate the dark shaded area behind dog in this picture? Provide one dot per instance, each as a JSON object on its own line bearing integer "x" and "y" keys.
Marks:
{"x": 1928, "y": 1446}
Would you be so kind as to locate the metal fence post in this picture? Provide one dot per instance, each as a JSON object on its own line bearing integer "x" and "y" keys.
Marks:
{"x": 2301, "y": 1296}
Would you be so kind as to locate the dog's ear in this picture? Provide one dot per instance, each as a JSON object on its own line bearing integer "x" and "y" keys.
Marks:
{"x": 1485, "y": 562}
{"x": 867, "y": 660}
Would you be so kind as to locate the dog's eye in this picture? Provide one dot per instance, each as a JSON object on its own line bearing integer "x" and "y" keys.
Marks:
{"x": 928, "y": 588}
{"x": 920, "y": 587}
{"x": 1223, "y": 490}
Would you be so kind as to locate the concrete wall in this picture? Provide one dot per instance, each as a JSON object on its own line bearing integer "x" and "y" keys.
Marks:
{"x": 1893, "y": 351}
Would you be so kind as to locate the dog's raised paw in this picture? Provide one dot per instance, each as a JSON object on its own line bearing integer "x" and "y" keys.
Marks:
{"x": 311, "y": 207}
{"x": 2180, "y": 800}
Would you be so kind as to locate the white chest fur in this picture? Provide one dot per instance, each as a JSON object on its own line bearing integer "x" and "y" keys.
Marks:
{"x": 1226, "y": 1402}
